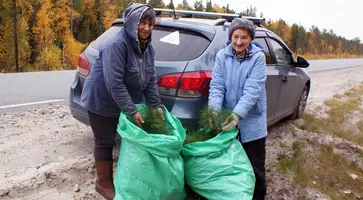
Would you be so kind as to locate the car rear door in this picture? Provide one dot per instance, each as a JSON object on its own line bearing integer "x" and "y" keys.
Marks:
{"x": 287, "y": 75}
{"x": 174, "y": 48}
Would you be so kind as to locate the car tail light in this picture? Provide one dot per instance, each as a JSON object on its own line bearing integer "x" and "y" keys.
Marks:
{"x": 188, "y": 84}
{"x": 83, "y": 65}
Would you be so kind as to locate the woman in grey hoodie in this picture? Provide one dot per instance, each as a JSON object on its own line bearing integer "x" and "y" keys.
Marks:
{"x": 122, "y": 75}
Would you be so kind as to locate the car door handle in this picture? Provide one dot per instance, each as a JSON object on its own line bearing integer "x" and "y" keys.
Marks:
{"x": 284, "y": 79}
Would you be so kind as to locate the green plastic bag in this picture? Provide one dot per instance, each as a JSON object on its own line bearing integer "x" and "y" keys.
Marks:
{"x": 219, "y": 168}
{"x": 150, "y": 166}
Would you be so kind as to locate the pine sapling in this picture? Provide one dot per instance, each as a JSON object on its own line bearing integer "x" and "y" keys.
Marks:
{"x": 154, "y": 124}
{"x": 206, "y": 115}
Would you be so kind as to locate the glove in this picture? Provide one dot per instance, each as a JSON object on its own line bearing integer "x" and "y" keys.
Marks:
{"x": 230, "y": 123}
{"x": 159, "y": 111}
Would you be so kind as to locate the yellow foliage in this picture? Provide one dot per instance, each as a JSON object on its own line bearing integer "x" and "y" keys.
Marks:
{"x": 49, "y": 59}
{"x": 71, "y": 50}
{"x": 218, "y": 8}
{"x": 331, "y": 49}
{"x": 61, "y": 18}
{"x": 43, "y": 31}
{"x": 88, "y": 10}
{"x": 7, "y": 48}
{"x": 110, "y": 15}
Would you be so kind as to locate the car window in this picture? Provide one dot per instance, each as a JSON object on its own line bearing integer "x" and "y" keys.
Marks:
{"x": 282, "y": 57}
{"x": 263, "y": 43}
{"x": 172, "y": 44}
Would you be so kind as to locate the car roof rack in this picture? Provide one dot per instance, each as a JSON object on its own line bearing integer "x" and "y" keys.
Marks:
{"x": 226, "y": 16}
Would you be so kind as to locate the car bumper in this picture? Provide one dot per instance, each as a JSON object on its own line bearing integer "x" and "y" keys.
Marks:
{"x": 76, "y": 109}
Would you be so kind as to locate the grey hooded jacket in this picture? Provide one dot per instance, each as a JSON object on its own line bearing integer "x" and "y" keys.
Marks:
{"x": 122, "y": 74}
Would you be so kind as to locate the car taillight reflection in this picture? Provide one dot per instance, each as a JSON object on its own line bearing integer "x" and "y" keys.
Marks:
{"x": 188, "y": 84}
{"x": 83, "y": 65}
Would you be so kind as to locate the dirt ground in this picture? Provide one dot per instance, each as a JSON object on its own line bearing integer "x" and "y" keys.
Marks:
{"x": 46, "y": 154}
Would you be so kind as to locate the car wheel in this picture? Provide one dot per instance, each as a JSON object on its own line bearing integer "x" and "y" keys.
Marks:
{"x": 301, "y": 105}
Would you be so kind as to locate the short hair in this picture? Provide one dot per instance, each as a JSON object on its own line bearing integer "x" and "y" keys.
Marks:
{"x": 148, "y": 14}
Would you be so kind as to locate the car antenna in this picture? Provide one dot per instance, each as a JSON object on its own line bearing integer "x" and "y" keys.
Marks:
{"x": 173, "y": 9}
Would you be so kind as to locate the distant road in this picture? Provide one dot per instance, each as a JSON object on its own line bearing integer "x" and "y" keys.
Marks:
{"x": 29, "y": 89}
{"x": 317, "y": 65}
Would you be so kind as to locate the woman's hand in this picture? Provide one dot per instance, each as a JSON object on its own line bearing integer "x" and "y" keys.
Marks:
{"x": 138, "y": 119}
{"x": 231, "y": 122}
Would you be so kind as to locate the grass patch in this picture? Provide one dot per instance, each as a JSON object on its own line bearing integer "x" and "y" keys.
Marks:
{"x": 338, "y": 111}
{"x": 283, "y": 145}
{"x": 360, "y": 152}
{"x": 360, "y": 126}
{"x": 328, "y": 170}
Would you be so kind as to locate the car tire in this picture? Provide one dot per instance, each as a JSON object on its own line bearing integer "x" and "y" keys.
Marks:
{"x": 301, "y": 104}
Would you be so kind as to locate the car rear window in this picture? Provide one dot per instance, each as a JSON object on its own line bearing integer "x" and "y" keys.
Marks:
{"x": 172, "y": 44}
{"x": 107, "y": 34}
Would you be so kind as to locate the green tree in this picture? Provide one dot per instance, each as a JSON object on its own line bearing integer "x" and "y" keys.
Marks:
{"x": 294, "y": 39}
{"x": 209, "y": 7}
{"x": 251, "y": 11}
{"x": 198, "y": 5}
{"x": 184, "y": 6}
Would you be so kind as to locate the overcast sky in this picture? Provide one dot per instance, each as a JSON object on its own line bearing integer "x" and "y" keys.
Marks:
{"x": 344, "y": 17}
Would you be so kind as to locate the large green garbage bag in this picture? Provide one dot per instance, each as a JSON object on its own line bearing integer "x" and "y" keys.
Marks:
{"x": 150, "y": 166}
{"x": 218, "y": 168}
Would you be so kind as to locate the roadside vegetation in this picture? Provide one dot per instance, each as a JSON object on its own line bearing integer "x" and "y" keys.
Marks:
{"x": 51, "y": 33}
{"x": 342, "y": 116}
{"x": 316, "y": 166}
{"x": 331, "y": 169}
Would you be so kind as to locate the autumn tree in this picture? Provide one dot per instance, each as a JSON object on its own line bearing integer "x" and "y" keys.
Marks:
{"x": 7, "y": 48}
{"x": 218, "y": 8}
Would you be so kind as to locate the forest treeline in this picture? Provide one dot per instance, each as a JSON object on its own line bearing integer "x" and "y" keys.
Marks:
{"x": 52, "y": 33}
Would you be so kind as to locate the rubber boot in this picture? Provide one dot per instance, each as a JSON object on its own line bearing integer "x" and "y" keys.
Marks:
{"x": 104, "y": 181}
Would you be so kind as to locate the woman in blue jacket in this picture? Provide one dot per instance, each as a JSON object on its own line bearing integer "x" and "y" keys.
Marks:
{"x": 238, "y": 84}
{"x": 122, "y": 75}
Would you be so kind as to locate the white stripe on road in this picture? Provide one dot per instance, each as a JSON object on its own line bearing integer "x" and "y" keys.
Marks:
{"x": 31, "y": 103}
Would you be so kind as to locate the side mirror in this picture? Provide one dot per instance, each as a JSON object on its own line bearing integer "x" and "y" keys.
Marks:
{"x": 301, "y": 62}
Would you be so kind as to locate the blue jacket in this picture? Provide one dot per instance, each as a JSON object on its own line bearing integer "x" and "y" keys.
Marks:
{"x": 122, "y": 74}
{"x": 239, "y": 85}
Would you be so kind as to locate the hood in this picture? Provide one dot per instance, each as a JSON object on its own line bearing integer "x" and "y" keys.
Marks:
{"x": 132, "y": 17}
{"x": 254, "y": 48}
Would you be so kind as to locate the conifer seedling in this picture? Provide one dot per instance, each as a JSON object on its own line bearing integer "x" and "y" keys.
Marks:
{"x": 154, "y": 124}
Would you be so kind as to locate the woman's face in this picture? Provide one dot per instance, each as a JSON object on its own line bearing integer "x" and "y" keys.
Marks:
{"x": 144, "y": 29}
{"x": 241, "y": 39}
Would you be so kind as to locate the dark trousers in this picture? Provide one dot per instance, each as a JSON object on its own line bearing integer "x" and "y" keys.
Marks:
{"x": 104, "y": 130}
{"x": 256, "y": 152}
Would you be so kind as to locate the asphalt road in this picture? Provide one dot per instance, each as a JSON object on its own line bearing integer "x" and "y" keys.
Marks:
{"x": 42, "y": 88}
